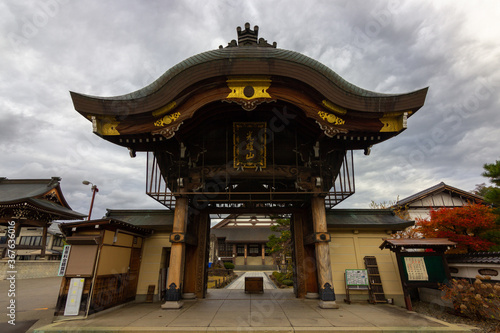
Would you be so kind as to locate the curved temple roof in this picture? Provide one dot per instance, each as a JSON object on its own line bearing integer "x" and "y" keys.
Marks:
{"x": 249, "y": 57}
{"x": 247, "y": 53}
{"x": 35, "y": 196}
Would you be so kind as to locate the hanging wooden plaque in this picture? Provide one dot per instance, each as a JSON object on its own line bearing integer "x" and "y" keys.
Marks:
{"x": 249, "y": 141}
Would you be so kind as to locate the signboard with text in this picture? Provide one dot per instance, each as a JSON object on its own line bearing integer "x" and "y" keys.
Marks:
{"x": 249, "y": 141}
{"x": 64, "y": 260}
{"x": 356, "y": 278}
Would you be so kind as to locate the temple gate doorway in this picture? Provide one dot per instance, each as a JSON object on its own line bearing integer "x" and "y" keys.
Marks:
{"x": 249, "y": 128}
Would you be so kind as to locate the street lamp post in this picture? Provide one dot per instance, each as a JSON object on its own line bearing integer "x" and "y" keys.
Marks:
{"x": 94, "y": 189}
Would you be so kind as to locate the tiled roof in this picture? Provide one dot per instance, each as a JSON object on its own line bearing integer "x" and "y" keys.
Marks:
{"x": 30, "y": 193}
{"x": 249, "y": 52}
{"x": 143, "y": 218}
{"x": 475, "y": 258}
{"x": 15, "y": 190}
{"x": 436, "y": 189}
{"x": 366, "y": 218}
{"x": 420, "y": 243}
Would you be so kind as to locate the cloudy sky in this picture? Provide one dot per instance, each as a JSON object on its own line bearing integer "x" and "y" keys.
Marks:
{"x": 108, "y": 48}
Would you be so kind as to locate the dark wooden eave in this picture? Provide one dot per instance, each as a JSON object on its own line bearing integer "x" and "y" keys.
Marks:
{"x": 199, "y": 84}
{"x": 68, "y": 229}
{"x": 422, "y": 243}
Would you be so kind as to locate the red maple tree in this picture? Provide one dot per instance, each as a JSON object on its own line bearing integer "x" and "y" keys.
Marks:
{"x": 462, "y": 225}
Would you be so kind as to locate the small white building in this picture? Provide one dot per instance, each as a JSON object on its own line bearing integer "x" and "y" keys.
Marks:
{"x": 439, "y": 196}
{"x": 467, "y": 265}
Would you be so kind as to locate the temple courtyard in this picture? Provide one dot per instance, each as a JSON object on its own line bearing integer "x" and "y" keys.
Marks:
{"x": 227, "y": 310}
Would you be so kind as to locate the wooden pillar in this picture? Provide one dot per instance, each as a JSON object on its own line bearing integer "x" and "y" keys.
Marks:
{"x": 44, "y": 242}
{"x": 177, "y": 256}
{"x": 311, "y": 271}
{"x": 202, "y": 254}
{"x": 246, "y": 254}
{"x": 406, "y": 293}
{"x": 300, "y": 267}
{"x": 310, "y": 261}
{"x": 235, "y": 254}
{"x": 190, "y": 267}
{"x": 263, "y": 248}
{"x": 324, "y": 269}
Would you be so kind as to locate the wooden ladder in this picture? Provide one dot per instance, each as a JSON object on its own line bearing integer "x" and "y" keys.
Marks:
{"x": 377, "y": 294}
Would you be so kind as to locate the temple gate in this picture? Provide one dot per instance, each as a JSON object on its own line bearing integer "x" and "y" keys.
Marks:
{"x": 249, "y": 128}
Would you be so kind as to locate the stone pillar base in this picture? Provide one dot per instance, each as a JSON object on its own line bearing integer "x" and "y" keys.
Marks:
{"x": 312, "y": 295}
{"x": 172, "y": 305}
{"x": 328, "y": 305}
{"x": 189, "y": 296}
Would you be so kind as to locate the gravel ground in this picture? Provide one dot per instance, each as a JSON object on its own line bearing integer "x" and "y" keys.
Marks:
{"x": 446, "y": 314}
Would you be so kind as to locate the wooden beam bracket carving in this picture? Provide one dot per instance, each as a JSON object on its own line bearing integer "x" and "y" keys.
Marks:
{"x": 317, "y": 237}
{"x": 179, "y": 237}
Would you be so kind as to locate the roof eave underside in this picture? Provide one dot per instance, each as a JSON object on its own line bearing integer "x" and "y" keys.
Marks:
{"x": 106, "y": 223}
{"x": 247, "y": 61}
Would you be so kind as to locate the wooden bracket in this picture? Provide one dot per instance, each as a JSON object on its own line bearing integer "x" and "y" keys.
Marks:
{"x": 179, "y": 237}
{"x": 317, "y": 237}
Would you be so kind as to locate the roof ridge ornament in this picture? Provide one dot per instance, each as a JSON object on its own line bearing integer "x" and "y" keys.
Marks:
{"x": 248, "y": 37}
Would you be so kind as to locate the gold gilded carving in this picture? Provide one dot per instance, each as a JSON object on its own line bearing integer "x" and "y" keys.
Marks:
{"x": 394, "y": 123}
{"x": 109, "y": 128}
{"x": 105, "y": 125}
{"x": 168, "y": 132}
{"x": 248, "y": 88}
{"x": 333, "y": 107}
{"x": 167, "y": 120}
{"x": 251, "y": 104}
{"x": 166, "y": 109}
{"x": 331, "y": 131}
{"x": 249, "y": 141}
{"x": 331, "y": 118}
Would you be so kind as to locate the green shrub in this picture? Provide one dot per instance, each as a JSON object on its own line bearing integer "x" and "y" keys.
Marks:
{"x": 228, "y": 265}
{"x": 475, "y": 300}
{"x": 279, "y": 277}
{"x": 287, "y": 282}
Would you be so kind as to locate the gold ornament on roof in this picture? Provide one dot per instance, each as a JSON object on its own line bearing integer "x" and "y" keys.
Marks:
{"x": 248, "y": 88}
{"x": 167, "y": 120}
{"x": 331, "y": 118}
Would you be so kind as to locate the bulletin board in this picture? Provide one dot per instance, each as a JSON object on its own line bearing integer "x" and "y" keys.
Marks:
{"x": 423, "y": 269}
{"x": 355, "y": 279}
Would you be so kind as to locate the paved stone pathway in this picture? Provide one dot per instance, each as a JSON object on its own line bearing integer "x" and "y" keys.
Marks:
{"x": 239, "y": 283}
{"x": 276, "y": 311}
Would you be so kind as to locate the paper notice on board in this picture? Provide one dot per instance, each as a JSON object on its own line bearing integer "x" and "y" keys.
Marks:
{"x": 415, "y": 266}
